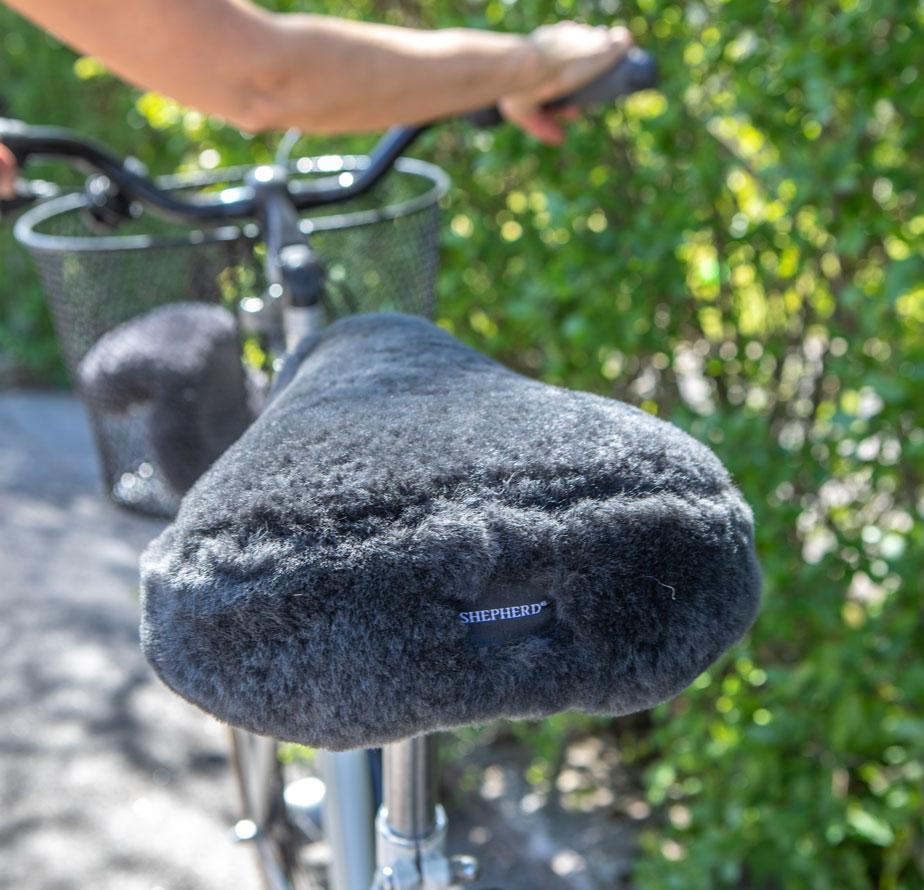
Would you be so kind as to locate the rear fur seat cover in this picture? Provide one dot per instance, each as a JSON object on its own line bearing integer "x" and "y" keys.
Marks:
{"x": 412, "y": 537}
{"x": 184, "y": 361}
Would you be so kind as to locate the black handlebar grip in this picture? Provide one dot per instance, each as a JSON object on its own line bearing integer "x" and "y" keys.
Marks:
{"x": 635, "y": 71}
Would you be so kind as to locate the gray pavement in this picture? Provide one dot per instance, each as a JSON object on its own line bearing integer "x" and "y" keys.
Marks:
{"x": 106, "y": 779}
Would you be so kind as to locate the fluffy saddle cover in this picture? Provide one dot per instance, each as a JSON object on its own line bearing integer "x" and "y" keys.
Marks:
{"x": 183, "y": 361}
{"x": 412, "y": 537}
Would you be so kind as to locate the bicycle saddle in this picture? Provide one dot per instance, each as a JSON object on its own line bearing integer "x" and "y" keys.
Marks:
{"x": 412, "y": 537}
{"x": 183, "y": 361}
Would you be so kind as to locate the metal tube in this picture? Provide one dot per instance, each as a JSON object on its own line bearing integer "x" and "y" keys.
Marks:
{"x": 56, "y": 143}
{"x": 347, "y": 818}
{"x": 409, "y": 786}
{"x": 258, "y": 775}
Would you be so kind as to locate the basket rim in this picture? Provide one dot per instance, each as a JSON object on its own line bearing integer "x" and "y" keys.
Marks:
{"x": 25, "y": 229}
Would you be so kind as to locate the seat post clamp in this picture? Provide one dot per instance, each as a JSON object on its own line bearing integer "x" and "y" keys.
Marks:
{"x": 419, "y": 863}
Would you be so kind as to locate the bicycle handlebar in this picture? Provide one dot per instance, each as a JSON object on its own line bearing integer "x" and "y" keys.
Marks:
{"x": 635, "y": 71}
{"x": 26, "y": 142}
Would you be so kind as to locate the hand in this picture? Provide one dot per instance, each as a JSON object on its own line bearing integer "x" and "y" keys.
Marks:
{"x": 570, "y": 56}
{"x": 8, "y": 173}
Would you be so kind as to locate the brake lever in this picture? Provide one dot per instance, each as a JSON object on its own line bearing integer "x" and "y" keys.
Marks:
{"x": 635, "y": 71}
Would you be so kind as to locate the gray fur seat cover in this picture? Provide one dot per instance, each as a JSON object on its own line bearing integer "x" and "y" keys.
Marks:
{"x": 412, "y": 537}
{"x": 183, "y": 361}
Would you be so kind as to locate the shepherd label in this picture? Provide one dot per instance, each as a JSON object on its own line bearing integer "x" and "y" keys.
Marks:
{"x": 503, "y": 614}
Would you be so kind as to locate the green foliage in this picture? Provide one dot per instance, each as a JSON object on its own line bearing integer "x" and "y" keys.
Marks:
{"x": 740, "y": 253}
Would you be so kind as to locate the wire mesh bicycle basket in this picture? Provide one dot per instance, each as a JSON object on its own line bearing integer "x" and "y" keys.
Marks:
{"x": 380, "y": 252}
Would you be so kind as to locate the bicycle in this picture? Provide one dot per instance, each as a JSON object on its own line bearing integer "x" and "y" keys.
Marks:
{"x": 524, "y": 612}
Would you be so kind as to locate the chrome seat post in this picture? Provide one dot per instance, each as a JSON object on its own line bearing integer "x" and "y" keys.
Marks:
{"x": 409, "y": 776}
{"x": 411, "y": 825}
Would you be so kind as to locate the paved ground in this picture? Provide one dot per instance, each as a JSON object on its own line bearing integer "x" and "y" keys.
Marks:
{"x": 106, "y": 779}
{"x": 109, "y": 781}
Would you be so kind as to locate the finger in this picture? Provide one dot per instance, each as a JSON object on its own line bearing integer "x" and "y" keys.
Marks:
{"x": 542, "y": 126}
{"x": 7, "y": 186}
{"x": 532, "y": 120}
{"x": 621, "y": 37}
{"x": 569, "y": 113}
{"x": 7, "y": 173}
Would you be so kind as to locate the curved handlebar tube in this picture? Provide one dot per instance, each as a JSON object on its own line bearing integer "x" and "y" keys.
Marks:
{"x": 235, "y": 203}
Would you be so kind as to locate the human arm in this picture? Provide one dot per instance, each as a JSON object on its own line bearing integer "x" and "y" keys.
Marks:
{"x": 261, "y": 70}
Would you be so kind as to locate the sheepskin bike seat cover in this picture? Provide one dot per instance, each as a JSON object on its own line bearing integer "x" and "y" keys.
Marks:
{"x": 183, "y": 360}
{"x": 412, "y": 537}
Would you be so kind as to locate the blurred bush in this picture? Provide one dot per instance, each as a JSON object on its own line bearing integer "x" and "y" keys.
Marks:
{"x": 740, "y": 252}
